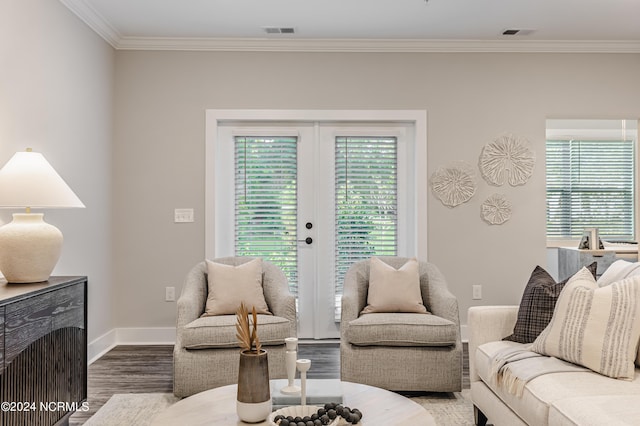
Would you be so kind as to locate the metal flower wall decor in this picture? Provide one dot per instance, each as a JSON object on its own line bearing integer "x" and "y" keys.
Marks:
{"x": 496, "y": 209}
{"x": 454, "y": 184}
{"x": 507, "y": 159}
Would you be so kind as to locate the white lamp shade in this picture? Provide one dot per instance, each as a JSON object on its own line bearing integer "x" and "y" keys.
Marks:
{"x": 28, "y": 180}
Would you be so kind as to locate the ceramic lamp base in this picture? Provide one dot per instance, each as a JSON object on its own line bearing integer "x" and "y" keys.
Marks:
{"x": 29, "y": 248}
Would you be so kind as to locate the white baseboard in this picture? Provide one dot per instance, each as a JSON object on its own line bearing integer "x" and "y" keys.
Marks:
{"x": 130, "y": 336}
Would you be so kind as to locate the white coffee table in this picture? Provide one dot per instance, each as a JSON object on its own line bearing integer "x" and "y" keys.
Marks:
{"x": 218, "y": 407}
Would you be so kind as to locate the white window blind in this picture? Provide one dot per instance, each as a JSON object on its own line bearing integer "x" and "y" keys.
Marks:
{"x": 590, "y": 183}
{"x": 266, "y": 201}
{"x": 365, "y": 202}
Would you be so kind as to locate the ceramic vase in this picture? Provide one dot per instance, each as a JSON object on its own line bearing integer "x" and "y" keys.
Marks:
{"x": 254, "y": 396}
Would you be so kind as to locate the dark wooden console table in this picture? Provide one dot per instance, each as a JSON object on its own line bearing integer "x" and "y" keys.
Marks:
{"x": 43, "y": 351}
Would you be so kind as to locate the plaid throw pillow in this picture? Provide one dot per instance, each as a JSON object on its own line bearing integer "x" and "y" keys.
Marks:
{"x": 537, "y": 304}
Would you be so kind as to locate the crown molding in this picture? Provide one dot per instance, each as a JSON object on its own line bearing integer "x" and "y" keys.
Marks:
{"x": 104, "y": 29}
{"x": 377, "y": 45}
{"x": 94, "y": 20}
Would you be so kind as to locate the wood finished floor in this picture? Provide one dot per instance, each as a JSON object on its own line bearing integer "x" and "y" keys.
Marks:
{"x": 149, "y": 369}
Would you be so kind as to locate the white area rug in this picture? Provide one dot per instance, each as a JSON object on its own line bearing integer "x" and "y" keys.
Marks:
{"x": 449, "y": 409}
{"x": 131, "y": 409}
{"x": 453, "y": 409}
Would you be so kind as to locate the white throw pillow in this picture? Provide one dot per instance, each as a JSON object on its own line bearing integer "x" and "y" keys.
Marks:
{"x": 619, "y": 270}
{"x": 230, "y": 285}
{"x": 394, "y": 290}
{"x": 596, "y": 327}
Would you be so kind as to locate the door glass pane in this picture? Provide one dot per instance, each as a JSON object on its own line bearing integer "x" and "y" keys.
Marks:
{"x": 365, "y": 203}
{"x": 266, "y": 201}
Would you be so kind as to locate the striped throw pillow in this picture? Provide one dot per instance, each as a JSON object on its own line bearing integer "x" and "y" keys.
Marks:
{"x": 596, "y": 327}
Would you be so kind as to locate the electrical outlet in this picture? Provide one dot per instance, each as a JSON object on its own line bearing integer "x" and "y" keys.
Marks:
{"x": 170, "y": 294}
{"x": 477, "y": 292}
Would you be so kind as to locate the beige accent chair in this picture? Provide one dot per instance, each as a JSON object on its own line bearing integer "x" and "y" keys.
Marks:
{"x": 206, "y": 354}
{"x": 401, "y": 351}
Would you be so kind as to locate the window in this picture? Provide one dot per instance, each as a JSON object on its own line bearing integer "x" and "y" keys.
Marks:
{"x": 591, "y": 183}
{"x": 365, "y": 203}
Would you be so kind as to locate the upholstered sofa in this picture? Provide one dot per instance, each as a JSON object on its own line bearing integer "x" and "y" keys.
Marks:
{"x": 557, "y": 399}
{"x": 401, "y": 351}
{"x": 206, "y": 354}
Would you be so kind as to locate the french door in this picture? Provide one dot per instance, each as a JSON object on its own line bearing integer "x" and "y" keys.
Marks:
{"x": 312, "y": 196}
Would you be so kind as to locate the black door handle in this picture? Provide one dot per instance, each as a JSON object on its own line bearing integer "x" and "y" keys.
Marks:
{"x": 307, "y": 240}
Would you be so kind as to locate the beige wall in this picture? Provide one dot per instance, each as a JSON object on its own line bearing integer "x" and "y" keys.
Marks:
{"x": 59, "y": 83}
{"x": 161, "y": 99}
{"x": 56, "y": 96}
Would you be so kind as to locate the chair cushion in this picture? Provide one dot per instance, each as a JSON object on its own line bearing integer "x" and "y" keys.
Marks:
{"x": 220, "y": 332}
{"x": 401, "y": 329}
{"x": 229, "y": 285}
{"x": 596, "y": 410}
{"x": 546, "y": 390}
{"x": 394, "y": 290}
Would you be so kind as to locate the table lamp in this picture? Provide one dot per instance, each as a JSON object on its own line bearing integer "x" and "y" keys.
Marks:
{"x": 30, "y": 247}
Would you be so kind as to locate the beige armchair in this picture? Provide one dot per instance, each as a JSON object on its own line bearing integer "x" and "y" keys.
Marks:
{"x": 206, "y": 353}
{"x": 401, "y": 351}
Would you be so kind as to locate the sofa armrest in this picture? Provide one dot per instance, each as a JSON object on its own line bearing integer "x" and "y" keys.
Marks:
{"x": 192, "y": 300}
{"x": 488, "y": 324}
{"x": 284, "y": 305}
{"x": 441, "y": 301}
{"x": 280, "y": 300}
{"x": 354, "y": 295}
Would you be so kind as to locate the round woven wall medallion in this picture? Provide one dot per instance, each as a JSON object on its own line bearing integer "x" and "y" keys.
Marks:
{"x": 454, "y": 184}
{"x": 507, "y": 159}
{"x": 496, "y": 209}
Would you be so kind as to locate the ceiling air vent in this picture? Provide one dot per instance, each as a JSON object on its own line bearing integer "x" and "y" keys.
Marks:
{"x": 279, "y": 30}
{"x": 517, "y": 31}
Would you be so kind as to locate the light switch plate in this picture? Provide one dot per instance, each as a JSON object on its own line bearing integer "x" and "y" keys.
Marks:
{"x": 183, "y": 215}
